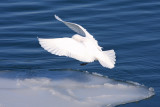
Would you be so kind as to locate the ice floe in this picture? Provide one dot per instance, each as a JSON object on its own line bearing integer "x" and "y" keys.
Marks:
{"x": 69, "y": 89}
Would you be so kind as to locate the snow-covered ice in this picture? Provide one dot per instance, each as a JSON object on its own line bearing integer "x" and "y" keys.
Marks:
{"x": 68, "y": 89}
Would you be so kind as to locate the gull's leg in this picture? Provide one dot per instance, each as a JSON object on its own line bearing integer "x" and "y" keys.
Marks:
{"x": 82, "y": 64}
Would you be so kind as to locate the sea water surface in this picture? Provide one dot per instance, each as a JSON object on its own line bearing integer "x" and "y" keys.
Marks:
{"x": 130, "y": 27}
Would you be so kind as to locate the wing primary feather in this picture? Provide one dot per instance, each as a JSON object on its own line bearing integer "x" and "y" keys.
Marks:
{"x": 58, "y": 18}
{"x": 75, "y": 27}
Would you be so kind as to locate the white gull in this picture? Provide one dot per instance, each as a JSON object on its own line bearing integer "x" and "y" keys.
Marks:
{"x": 82, "y": 46}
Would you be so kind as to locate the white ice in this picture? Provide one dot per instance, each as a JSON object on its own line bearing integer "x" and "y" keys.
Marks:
{"x": 69, "y": 89}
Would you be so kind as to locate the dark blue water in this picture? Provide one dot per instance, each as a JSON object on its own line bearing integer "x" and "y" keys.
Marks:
{"x": 130, "y": 27}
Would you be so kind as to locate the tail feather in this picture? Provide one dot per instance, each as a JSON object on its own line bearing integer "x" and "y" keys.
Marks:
{"x": 107, "y": 59}
{"x": 111, "y": 55}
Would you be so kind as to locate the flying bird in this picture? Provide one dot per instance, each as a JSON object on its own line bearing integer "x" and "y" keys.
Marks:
{"x": 81, "y": 46}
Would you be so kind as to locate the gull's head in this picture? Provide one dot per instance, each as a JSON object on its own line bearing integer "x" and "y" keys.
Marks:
{"x": 78, "y": 37}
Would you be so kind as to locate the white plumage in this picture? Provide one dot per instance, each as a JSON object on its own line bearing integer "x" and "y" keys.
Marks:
{"x": 81, "y": 46}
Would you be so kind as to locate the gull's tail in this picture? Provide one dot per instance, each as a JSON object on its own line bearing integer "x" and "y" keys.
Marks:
{"x": 107, "y": 59}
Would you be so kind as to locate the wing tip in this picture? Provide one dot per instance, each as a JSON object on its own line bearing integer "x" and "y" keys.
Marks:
{"x": 58, "y": 18}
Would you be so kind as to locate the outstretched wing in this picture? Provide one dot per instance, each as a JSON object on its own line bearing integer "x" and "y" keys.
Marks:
{"x": 75, "y": 27}
{"x": 66, "y": 47}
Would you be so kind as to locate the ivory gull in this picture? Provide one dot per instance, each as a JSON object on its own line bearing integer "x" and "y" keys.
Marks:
{"x": 82, "y": 46}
